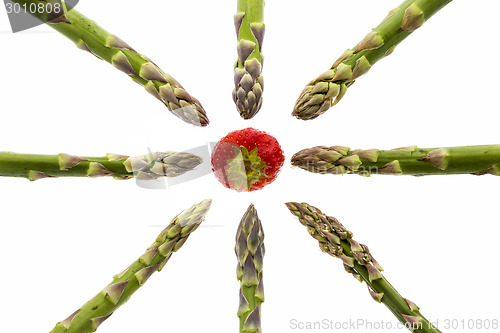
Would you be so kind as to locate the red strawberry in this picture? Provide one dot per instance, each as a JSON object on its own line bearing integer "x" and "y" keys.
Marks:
{"x": 247, "y": 160}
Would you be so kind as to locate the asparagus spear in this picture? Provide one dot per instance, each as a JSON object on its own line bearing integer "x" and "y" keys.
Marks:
{"x": 248, "y": 80}
{"x": 476, "y": 160}
{"x": 337, "y": 241}
{"x": 88, "y": 36}
{"x": 98, "y": 309}
{"x": 149, "y": 166}
{"x": 250, "y": 253}
{"x": 329, "y": 88}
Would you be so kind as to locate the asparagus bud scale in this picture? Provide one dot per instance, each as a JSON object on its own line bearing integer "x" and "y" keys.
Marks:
{"x": 248, "y": 80}
{"x": 330, "y": 87}
{"x": 250, "y": 253}
{"x": 476, "y": 160}
{"x": 90, "y": 37}
{"x": 145, "y": 167}
{"x": 91, "y": 315}
{"x": 337, "y": 241}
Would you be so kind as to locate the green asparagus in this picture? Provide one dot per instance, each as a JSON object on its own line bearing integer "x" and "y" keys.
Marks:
{"x": 476, "y": 160}
{"x": 88, "y": 36}
{"x": 330, "y": 87}
{"x": 98, "y": 309}
{"x": 145, "y": 167}
{"x": 337, "y": 241}
{"x": 250, "y": 253}
{"x": 248, "y": 80}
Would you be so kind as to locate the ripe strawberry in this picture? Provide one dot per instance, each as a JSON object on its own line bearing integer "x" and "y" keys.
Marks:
{"x": 247, "y": 160}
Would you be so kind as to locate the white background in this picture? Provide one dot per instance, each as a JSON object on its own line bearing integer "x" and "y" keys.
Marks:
{"x": 62, "y": 240}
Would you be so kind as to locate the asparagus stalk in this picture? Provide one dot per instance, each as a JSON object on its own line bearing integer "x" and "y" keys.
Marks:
{"x": 98, "y": 309}
{"x": 476, "y": 160}
{"x": 337, "y": 241}
{"x": 248, "y": 80}
{"x": 330, "y": 87}
{"x": 88, "y": 36}
{"x": 149, "y": 166}
{"x": 250, "y": 253}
